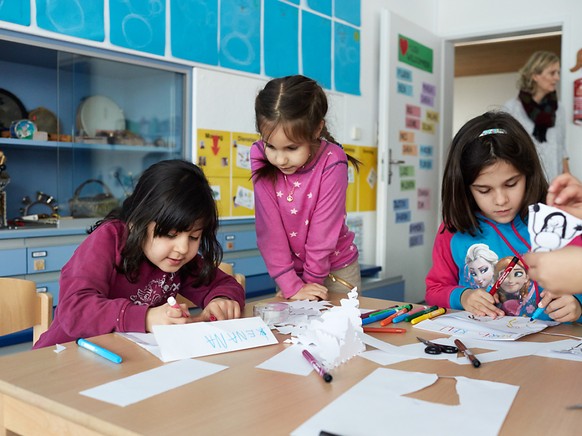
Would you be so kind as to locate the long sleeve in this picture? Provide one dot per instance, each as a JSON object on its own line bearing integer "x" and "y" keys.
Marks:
{"x": 327, "y": 223}
{"x": 88, "y": 305}
{"x": 442, "y": 281}
{"x": 271, "y": 234}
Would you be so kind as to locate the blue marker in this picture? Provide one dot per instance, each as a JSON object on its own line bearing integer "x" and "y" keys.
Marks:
{"x": 378, "y": 317}
{"x": 109, "y": 355}
{"x": 537, "y": 313}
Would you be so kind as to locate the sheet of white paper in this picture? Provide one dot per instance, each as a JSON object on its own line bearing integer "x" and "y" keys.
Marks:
{"x": 466, "y": 325}
{"x": 568, "y": 349}
{"x": 290, "y": 360}
{"x": 378, "y": 402}
{"x": 145, "y": 340}
{"x": 183, "y": 341}
{"x": 138, "y": 387}
{"x": 551, "y": 228}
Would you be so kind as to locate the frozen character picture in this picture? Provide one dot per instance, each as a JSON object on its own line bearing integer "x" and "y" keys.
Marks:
{"x": 479, "y": 265}
{"x": 516, "y": 291}
{"x": 551, "y": 228}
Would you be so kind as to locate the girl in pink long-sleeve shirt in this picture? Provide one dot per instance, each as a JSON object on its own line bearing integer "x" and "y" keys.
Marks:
{"x": 162, "y": 242}
{"x": 300, "y": 177}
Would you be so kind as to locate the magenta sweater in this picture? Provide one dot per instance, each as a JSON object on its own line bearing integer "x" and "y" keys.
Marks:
{"x": 95, "y": 299}
{"x": 303, "y": 240}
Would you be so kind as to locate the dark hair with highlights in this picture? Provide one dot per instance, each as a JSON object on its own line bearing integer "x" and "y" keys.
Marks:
{"x": 176, "y": 196}
{"x": 470, "y": 153}
{"x": 298, "y": 105}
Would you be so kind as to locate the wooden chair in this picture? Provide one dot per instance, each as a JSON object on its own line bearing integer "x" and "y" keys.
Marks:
{"x": 21, "y": 307}
{"x": 227, "y": 268}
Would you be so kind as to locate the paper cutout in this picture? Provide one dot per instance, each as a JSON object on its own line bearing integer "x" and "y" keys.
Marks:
{"x": 183, "y": 341}
{"x": 335, "y": 333}
{"x": 380, "y": 407}
{"x": 138, "y": 387}
{"x": 290, "y": 360}
{"x": 551, "y": 228}
{"x": 59, "y": 348}
{"x": 466, "y": 325}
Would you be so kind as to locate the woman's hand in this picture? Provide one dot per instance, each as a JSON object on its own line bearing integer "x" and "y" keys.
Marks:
{"x": 481, "y": 303}
{"x": 565, "y": 192}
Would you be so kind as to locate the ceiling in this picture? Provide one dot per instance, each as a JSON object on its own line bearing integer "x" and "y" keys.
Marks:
{"x": 501, "y": 57}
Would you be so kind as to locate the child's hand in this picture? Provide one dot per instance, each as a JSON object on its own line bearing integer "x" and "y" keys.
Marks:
{"x": 558, "y": 271}
{"x": 565, "y": 192}
{"x": 165, "y": 315}
{"x": 564, "y": 308}
{"x": 220, "y": 309}
{"x": 311, "y": 291}
{"x": 480, "y": 302}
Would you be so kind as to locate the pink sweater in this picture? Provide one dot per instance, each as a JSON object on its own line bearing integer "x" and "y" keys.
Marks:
{"x": 303, "y": 240}
{"x": 95, "y": 299}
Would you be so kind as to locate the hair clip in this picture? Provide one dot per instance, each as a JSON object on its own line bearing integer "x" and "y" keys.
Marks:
{"x": 492, "y": 132}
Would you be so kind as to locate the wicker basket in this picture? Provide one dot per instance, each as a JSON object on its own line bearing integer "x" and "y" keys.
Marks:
{"x": 96, "y": 206}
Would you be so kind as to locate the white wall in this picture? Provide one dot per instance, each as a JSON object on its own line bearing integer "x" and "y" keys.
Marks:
{"x": 475, "y": 95}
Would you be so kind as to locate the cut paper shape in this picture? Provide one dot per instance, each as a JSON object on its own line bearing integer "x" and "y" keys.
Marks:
{"x": 466, "y": 325}
{"x": 290, "y": 360}
{"x": 335, "y": 334}
{"x": 138, "y": 387}
{"x": 378, "y": 402}
{"x": 551, "y": 228}
{"x": 59, "y": 348}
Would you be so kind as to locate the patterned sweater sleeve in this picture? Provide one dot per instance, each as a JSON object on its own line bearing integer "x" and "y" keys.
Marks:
{"x": 442, "y": 281}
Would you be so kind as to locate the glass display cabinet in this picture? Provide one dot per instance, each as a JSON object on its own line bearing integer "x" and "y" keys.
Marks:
{"x": 78, "y": 126}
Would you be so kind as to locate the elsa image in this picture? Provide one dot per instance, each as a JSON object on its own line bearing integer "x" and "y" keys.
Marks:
{"x": 480, "y": 265}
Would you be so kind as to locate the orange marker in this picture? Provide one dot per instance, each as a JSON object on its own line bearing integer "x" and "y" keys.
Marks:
{"x": 388, "y": 320}
{"x": 383, "y": 330}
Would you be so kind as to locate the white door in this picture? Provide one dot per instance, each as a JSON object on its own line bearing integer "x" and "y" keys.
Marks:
{"x": 409, "y": 129}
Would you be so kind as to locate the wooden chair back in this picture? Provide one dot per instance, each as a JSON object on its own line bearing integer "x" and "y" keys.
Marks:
{"x": 21, "y": 307}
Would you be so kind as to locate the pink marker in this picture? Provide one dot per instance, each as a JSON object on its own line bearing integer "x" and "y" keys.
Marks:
{"x": 174, "y": 304}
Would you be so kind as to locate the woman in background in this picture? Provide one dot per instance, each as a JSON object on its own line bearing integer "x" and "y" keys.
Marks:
{"x": 536, "y": 108}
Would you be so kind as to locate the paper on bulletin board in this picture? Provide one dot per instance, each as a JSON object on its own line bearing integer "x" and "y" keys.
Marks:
{"x": 184, "y": 341}
{"x": 353, "y": 180}
{"x": 214, "y": 152}
{"x": 243, "y": 198}
{"x": 241, "y": 153}
{"x": 368, "y": 176}
{"x": 222, "y": 194}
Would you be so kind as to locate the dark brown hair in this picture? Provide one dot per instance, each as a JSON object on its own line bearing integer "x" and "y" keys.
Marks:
{"x": 469, "y": 153}
{"x": 298, "y": 105}
{"x": 175, "y": 195}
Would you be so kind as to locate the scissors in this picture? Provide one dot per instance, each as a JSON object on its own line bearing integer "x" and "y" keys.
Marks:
{"x": 433, "y": 348}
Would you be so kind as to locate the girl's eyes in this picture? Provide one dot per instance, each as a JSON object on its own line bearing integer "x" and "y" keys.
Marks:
{"x": 507, "y": 185}
{"x": 195, "y": 237}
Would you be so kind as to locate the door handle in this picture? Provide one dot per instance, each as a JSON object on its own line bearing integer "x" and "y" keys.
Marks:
{"x": 390, "y": 163}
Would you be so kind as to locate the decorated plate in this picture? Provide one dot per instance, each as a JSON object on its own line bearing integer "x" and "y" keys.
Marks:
{"x": 11, "y": 109}
{"x": 99, "y": 113}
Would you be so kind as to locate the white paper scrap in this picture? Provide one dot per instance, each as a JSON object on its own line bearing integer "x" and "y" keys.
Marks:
{"x": 138, "y": 387}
